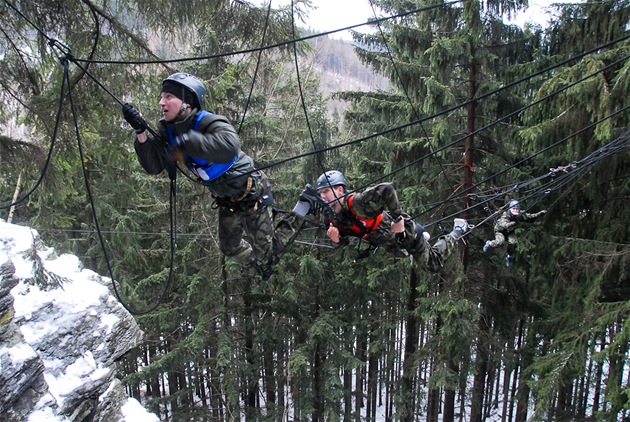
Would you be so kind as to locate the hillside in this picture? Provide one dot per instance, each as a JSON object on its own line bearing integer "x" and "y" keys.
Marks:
{"x": 340, "y": 69}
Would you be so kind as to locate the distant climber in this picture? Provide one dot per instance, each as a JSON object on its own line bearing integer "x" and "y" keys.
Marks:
{"x": 505, "y": 227}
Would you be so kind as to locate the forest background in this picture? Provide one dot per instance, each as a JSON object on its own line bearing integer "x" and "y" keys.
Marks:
{"x": 471, "y": 112}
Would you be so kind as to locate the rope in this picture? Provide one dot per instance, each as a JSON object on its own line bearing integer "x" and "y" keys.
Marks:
{"x": 97, "y": 225}
{"x": 50, "y": 150}
{"x": 277, "y": 45}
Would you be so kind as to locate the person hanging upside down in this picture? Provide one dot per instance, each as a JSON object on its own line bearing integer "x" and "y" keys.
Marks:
{"x": 505, "y": 229}
{"x": 375, "y": 215}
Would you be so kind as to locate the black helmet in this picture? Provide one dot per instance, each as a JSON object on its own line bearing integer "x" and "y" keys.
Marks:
{"x": 514, "y": 204}
{"x": 194, "y": 89}
{"x": 331, "y": 179}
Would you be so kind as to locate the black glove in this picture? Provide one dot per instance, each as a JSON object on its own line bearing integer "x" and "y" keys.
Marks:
{"x": 132, "y": 116}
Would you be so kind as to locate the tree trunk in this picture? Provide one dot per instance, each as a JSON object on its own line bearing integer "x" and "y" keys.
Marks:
{"x": 15, "y": 197}
{"x": 251, "y": 380}
{"x": 448, "y": 414}
{"x": 411, "y": 343}
{"x": 479, "y": 382}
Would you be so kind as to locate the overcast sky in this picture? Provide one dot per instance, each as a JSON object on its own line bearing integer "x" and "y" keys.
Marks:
{"x": 335, "y": 14}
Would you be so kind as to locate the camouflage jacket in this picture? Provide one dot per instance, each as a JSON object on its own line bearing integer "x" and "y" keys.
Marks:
{"x": 377, "y": 200}
{"x": 508, "y": 222}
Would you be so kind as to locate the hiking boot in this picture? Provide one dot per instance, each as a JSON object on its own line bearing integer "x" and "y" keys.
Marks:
{"x": 317, "y": 204}
{"x": 508, "y": 260}
{"x": 459, "y": 228}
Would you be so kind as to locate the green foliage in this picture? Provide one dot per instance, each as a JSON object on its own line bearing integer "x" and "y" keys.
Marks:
{"x": 554, "y": 319}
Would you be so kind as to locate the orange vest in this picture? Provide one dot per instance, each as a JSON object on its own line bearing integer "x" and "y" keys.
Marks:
{"x": 368, "y": 225}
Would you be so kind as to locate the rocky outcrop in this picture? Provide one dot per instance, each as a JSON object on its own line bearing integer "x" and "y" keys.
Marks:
{"x": 61, "y": 331}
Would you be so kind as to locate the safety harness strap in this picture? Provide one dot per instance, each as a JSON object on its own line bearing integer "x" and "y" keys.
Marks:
{"x": 203, "y": 169}
{"x": 363, "y": 226}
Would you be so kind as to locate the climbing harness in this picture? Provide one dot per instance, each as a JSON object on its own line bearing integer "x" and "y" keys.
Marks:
{"x": 361, "y": 226}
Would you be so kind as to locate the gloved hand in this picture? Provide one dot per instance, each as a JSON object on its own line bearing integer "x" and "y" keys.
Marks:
{"x": 133, "y": 117}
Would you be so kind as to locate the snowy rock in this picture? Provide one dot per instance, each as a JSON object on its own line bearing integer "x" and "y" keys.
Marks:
{"x": 61, "y": 331}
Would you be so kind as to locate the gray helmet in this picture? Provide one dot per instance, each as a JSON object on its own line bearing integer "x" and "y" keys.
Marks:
{"x": 331, "y": 179}
{"x": 191, "y": 83}
{"x": 514, "y": 204}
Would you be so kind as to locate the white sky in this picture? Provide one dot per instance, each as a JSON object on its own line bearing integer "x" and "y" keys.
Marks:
{"x": 335, "y": 14}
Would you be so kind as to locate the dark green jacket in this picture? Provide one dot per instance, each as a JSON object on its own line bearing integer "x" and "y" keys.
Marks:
{"x": 215, "y": 141}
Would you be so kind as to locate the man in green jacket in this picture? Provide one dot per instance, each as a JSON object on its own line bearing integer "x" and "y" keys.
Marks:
{"x": 208, "y": 145}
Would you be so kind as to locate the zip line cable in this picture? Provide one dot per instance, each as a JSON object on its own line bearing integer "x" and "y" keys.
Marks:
{"x": 277, "y": 45}
{"x": 571, "y": 173}
{"x": 518, "y": 186}
{"x": 447, "y": 110}
{"x": 55, "y": 43}
{"x": 503, "y": 191}
{"x": 405, "y": 90}
{"x": 488, "y": 126}
{"x": 553, "y": 173}
{"x": 97, "y": 225}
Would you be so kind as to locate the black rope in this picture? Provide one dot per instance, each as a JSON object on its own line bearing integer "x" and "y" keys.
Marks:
{"x": 97, "y": 225}
{"x": 50, "y": 150}
{"x": 277, "y": 45}
{"x": 251, "y": 89}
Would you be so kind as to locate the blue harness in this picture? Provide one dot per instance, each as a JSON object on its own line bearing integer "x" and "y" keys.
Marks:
{"x": 203, "y": 169}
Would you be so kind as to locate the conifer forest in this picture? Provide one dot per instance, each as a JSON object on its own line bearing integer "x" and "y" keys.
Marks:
{"x": 477, "y": 112}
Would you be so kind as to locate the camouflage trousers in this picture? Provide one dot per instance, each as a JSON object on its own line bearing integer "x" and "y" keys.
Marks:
{"x": 432, "y": 258}
{"x": 425, "y": 256}
{"x": 502, "y": 238}
{"x": 247, "y": 234}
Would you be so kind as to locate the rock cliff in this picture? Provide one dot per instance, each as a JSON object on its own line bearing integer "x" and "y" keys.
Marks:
{"x": 61, "y": 331}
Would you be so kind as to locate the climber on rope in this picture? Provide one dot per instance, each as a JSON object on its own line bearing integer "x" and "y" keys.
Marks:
{"x": 209, "y": 146}
{"x": 505, "y": 229}
{"x": 375, "y": 215}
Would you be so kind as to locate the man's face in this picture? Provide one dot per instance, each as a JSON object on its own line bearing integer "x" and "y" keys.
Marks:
{"x": 515, "y": 211}
{"x": 334, "y": 196}
{"x": 170, "y": 105}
